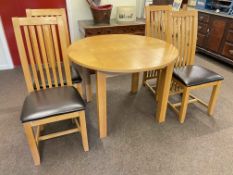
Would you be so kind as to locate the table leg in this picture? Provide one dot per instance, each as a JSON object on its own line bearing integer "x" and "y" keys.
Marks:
{"x": 163, "y": 92}
{"x": 101, "y": 103}
{"x": 87, "y": 83}
{"x": 134, "y": 82}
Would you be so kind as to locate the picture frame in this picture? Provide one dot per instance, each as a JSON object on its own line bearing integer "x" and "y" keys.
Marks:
{"x": 176, "y": 5}
{"x": 126, "y": 14}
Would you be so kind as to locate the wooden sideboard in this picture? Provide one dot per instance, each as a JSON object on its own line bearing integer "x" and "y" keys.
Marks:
{"x": 88, "y": 28}
{"x": 215, "y": 35}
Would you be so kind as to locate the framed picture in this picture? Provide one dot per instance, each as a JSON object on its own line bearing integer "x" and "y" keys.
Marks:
{"x": 126, "y": 14}
{"x": 176, "y": 5}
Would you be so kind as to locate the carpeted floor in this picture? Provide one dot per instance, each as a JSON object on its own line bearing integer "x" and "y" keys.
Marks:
{"x": 135, "y": 145}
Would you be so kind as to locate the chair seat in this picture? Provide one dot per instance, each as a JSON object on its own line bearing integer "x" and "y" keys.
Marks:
{"x": 193, "y": 75}
{"x": 75, "y": 77}
{"x": 50, "y": 102}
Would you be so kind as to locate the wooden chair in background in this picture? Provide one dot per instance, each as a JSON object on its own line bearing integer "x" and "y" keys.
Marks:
{"x": 156, "y": 26}
{"x": 75, "y": 75}
{"x": 41, "y": 57}
{"x": 182, "y": 31}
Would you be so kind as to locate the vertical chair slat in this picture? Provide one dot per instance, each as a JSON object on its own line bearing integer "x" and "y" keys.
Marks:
{"x": 190, "y": 40}
{"x": 153, "y": 27}
{"x": 50, "y": 51}
{"x": 64, "y": 46}
{"x": 194, "y": 38}
{"x": 182, "y": 40}
{"x": 37, "y": 54}
{"x": 175, "y": 37}
{"x": 164, "y": 21}
{"x": 184, "y": 46}
{"x": 55, "y": 41}
{"x": 159, "y": 25}
{"x": 186, "y": 40}
{"x": 22, "y": 54}
{"x": 31, "y": 57}
{"x": 180, "y": 36}
{"x": 44, "y": 55}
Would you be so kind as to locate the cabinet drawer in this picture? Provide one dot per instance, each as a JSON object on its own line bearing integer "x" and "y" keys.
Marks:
{"x": 202, "y": 28}
{"x": 230, "y": 36}
{"x": 228, "y": 50}
{"x": 200, "y": 40}
{"x": 231, "y": 26}
{"x": 138, "y": 30}
{"x": 203, "y": 17}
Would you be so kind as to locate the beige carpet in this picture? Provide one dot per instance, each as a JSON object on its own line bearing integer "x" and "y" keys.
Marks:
{"x": 135, "y": 145}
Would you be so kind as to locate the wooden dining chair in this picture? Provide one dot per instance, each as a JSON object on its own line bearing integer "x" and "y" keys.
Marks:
{"x": 182, "y": 31}
{"x": 156, "y": 27}
{"x": 42, "y": 58}
{"x": 75, "y": 75}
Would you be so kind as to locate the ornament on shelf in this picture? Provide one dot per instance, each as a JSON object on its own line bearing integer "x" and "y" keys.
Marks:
{"x": 101, "y": 13}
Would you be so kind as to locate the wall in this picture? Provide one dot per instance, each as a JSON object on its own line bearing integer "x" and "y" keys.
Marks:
{"x": 116, "y": 3}
{"x": 5, "y": 57}
{"x": 12, "y": 8}
{"x": 79, "y": 10}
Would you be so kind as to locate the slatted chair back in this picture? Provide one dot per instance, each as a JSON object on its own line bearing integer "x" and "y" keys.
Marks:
{"x": 50, "y": 13}
{"x": 156, "y": 27}
{"x": 182, "y": 30}
{"x": 156, "y": 21}
{"x": 42, "y": 48}
{"x": 183, "y": 35}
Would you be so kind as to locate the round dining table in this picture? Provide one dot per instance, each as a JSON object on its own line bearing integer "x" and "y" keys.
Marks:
{"x": 122, "y": 53}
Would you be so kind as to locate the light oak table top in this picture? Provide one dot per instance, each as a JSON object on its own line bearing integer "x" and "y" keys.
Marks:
{"x": 122, "y": 53}
{"x": 125, "y": 54}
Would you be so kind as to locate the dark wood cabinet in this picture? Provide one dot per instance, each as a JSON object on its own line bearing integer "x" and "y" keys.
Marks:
{"x": 203, "y": 17}
{"x": 88, "y": 28}
{"x": 230, "y": 36}
{"x": 228, "y": 50}
{"x": 215, "y": 36}
{"x": 201, "y": 40}
{"x": 215, "y": 33}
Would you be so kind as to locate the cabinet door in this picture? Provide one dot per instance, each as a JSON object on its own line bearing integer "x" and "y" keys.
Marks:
{"x": 202, "y": 34}
{"x": 201, "y": 40}
{"x": 228, "y": 50}
{"x": 216, "y": 31}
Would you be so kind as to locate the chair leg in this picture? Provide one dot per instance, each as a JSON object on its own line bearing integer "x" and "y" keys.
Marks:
{"x": 134, "y": 82}
{"x": 32, "y": 143}
{"x": 184, "y": 105}
{"x": 157, "y": 83}
{"x": 87, "y": 83}
{"x": 84, "y": 131}
{"x": 144, "y": 78}
{"x": 213, "y": 98}
{"x": 79, "y": 88}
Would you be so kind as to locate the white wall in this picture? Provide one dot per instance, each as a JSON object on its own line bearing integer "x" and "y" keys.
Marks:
{"x": 79, "y": 10}
{"x": 140, "y": 8}
{"x": 5, "y": 57}
{"x": 116, "y": 3}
